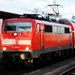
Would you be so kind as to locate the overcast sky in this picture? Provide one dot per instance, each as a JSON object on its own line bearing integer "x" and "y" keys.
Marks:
{"x": 21, "y": 6}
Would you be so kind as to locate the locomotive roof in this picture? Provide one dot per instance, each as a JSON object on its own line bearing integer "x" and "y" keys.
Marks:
{"x": 38, "y": 21}
{"x": 52, "y": 23}
{"x": 68, "y": 22}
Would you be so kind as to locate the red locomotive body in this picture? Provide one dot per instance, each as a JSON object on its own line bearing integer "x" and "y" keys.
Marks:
{"x": 28, "y": 39}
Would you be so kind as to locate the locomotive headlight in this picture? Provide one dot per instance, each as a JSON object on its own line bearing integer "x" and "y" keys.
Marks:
{"x": 15, "y": 34}
{"x": 23, "y": 56}
{"x": 4, "y": 48}
{"x": 27, "y": 48}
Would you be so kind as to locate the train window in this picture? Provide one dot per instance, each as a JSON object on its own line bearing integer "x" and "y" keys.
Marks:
{"x": 55, "y": 29}
{"x": 59, "y": 31}
{"x": 62, "y": 29}
{"x": 38, "y": 27}
{"x": 24, "y": 26}
{"x": 18, "y": 26}
{"x": 9, "y": 26}
{"x": 1, "y": 22}
{"x": 48, "y": 28}
{"x": 67, "y": 30}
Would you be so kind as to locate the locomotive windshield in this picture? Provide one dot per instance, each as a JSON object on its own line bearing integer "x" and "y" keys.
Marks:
{"x": 18, "y": 26}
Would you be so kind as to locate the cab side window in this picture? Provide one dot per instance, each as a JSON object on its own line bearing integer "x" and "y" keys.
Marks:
{"x": 38, "y": 27}
{"x": 48, "y": 28}
{"x": 67, "y": 30}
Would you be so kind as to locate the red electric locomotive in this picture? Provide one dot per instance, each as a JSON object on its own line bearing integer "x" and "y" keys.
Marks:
{"x": 27, "y": 40}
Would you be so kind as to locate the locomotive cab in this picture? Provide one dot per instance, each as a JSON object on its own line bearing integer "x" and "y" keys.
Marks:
{"x": 16, "y": 39}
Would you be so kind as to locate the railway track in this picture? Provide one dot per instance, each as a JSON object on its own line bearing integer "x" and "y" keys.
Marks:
{"x": 45, "y": 68}
{"x": 21, "y": 70}
{"x": 70, "y": 71}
